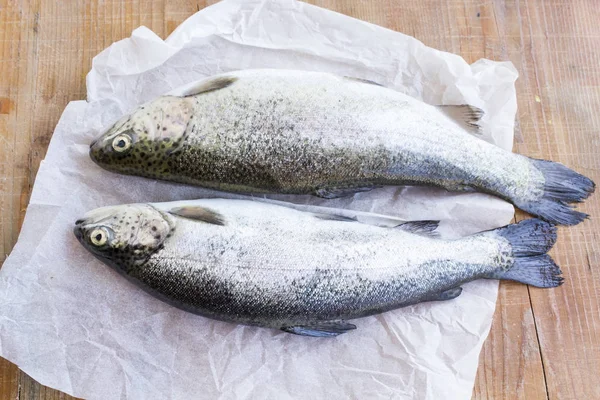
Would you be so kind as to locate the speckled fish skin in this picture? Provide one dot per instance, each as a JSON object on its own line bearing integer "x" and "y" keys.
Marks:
{"x": 262, "y": 264}
{"x": 297, "y": 132}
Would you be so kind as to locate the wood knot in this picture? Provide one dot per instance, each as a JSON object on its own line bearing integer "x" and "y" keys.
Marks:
{"x": 5, "y": 105}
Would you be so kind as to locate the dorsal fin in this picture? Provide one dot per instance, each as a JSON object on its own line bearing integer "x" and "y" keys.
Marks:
{"x": 210, "y": 85}
{"x": 363, "y": 81}
{"x": 199, "y": 214}
{"x": 465, "y": 115}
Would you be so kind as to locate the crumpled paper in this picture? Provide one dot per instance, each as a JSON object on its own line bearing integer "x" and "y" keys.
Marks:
{"x": 74, "y": 324}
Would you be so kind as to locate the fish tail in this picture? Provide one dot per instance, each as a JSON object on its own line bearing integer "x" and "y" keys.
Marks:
{"x": 530, "y": 240}
{"x": 562, "y": 186}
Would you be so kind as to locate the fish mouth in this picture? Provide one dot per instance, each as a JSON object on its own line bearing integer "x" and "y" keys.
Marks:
{"x": 78, "y": 229}
{"x": 95, "y": 145}
{"x": 100, "y": 152}
{"x": 94, "y": 151}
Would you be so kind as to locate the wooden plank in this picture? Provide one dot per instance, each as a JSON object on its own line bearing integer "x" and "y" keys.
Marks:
{"x": 510, "y": 364}
{"x": 46, "y": 51}
{"x": 568, "y": 321}
{"x": 543, "y": 344}
{"x": 17, "y": 62}
{"x": 513, "y": 335}
{"x": 9, "y": 380}
{"x": 29, "y": 389}
{"x": 553, "y": 46}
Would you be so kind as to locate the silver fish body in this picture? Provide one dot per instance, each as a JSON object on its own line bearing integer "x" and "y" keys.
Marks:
{"x": 272, "y": 266}
{"x": 297, "y": 132}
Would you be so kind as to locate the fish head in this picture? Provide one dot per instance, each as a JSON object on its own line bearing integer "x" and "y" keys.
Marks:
{"x": 123, "y": 236}
{"x": 141, "y": 143}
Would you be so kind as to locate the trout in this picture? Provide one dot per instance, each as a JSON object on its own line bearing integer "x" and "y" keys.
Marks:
{"x": 297, "y": 132}
{"x": 306, "y": 273}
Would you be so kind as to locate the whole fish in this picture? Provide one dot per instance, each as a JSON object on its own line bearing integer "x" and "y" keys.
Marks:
{"x": 262, "y": 264}
{"x": 297, "y": 132}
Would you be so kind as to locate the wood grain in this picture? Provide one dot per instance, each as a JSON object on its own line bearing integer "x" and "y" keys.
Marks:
{"x": 543, "y": 343}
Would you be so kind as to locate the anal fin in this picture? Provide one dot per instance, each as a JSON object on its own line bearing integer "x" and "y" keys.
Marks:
{"x": 445, "y": 295}
{"x": 424, "y": 228}
{"x": 335, "y": 192}
{"x": 320, "y": 329}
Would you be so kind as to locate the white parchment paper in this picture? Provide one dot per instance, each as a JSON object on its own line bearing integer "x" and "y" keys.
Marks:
{"x": 74, "y": 324}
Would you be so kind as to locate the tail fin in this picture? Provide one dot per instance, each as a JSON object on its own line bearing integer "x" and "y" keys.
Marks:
{"x": 561, "y": 187}
{"x": 530, "y": 240}
{"x": 530, "y": 237}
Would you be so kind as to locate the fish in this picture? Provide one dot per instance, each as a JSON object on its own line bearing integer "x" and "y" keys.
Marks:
{"x": 306, "y": 273}
{"x": 300, "y": 132}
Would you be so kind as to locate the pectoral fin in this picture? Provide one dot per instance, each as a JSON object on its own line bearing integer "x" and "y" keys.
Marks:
{"x": 320, "y": 329}
{"x": 199, "y": 214}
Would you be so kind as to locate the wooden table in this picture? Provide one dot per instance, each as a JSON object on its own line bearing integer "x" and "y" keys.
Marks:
{"x": 543, "y": 343}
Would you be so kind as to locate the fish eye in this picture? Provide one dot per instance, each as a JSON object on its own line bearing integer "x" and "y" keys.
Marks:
{"x": 99, "y": 237}
{"x": 121, "y": 142}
